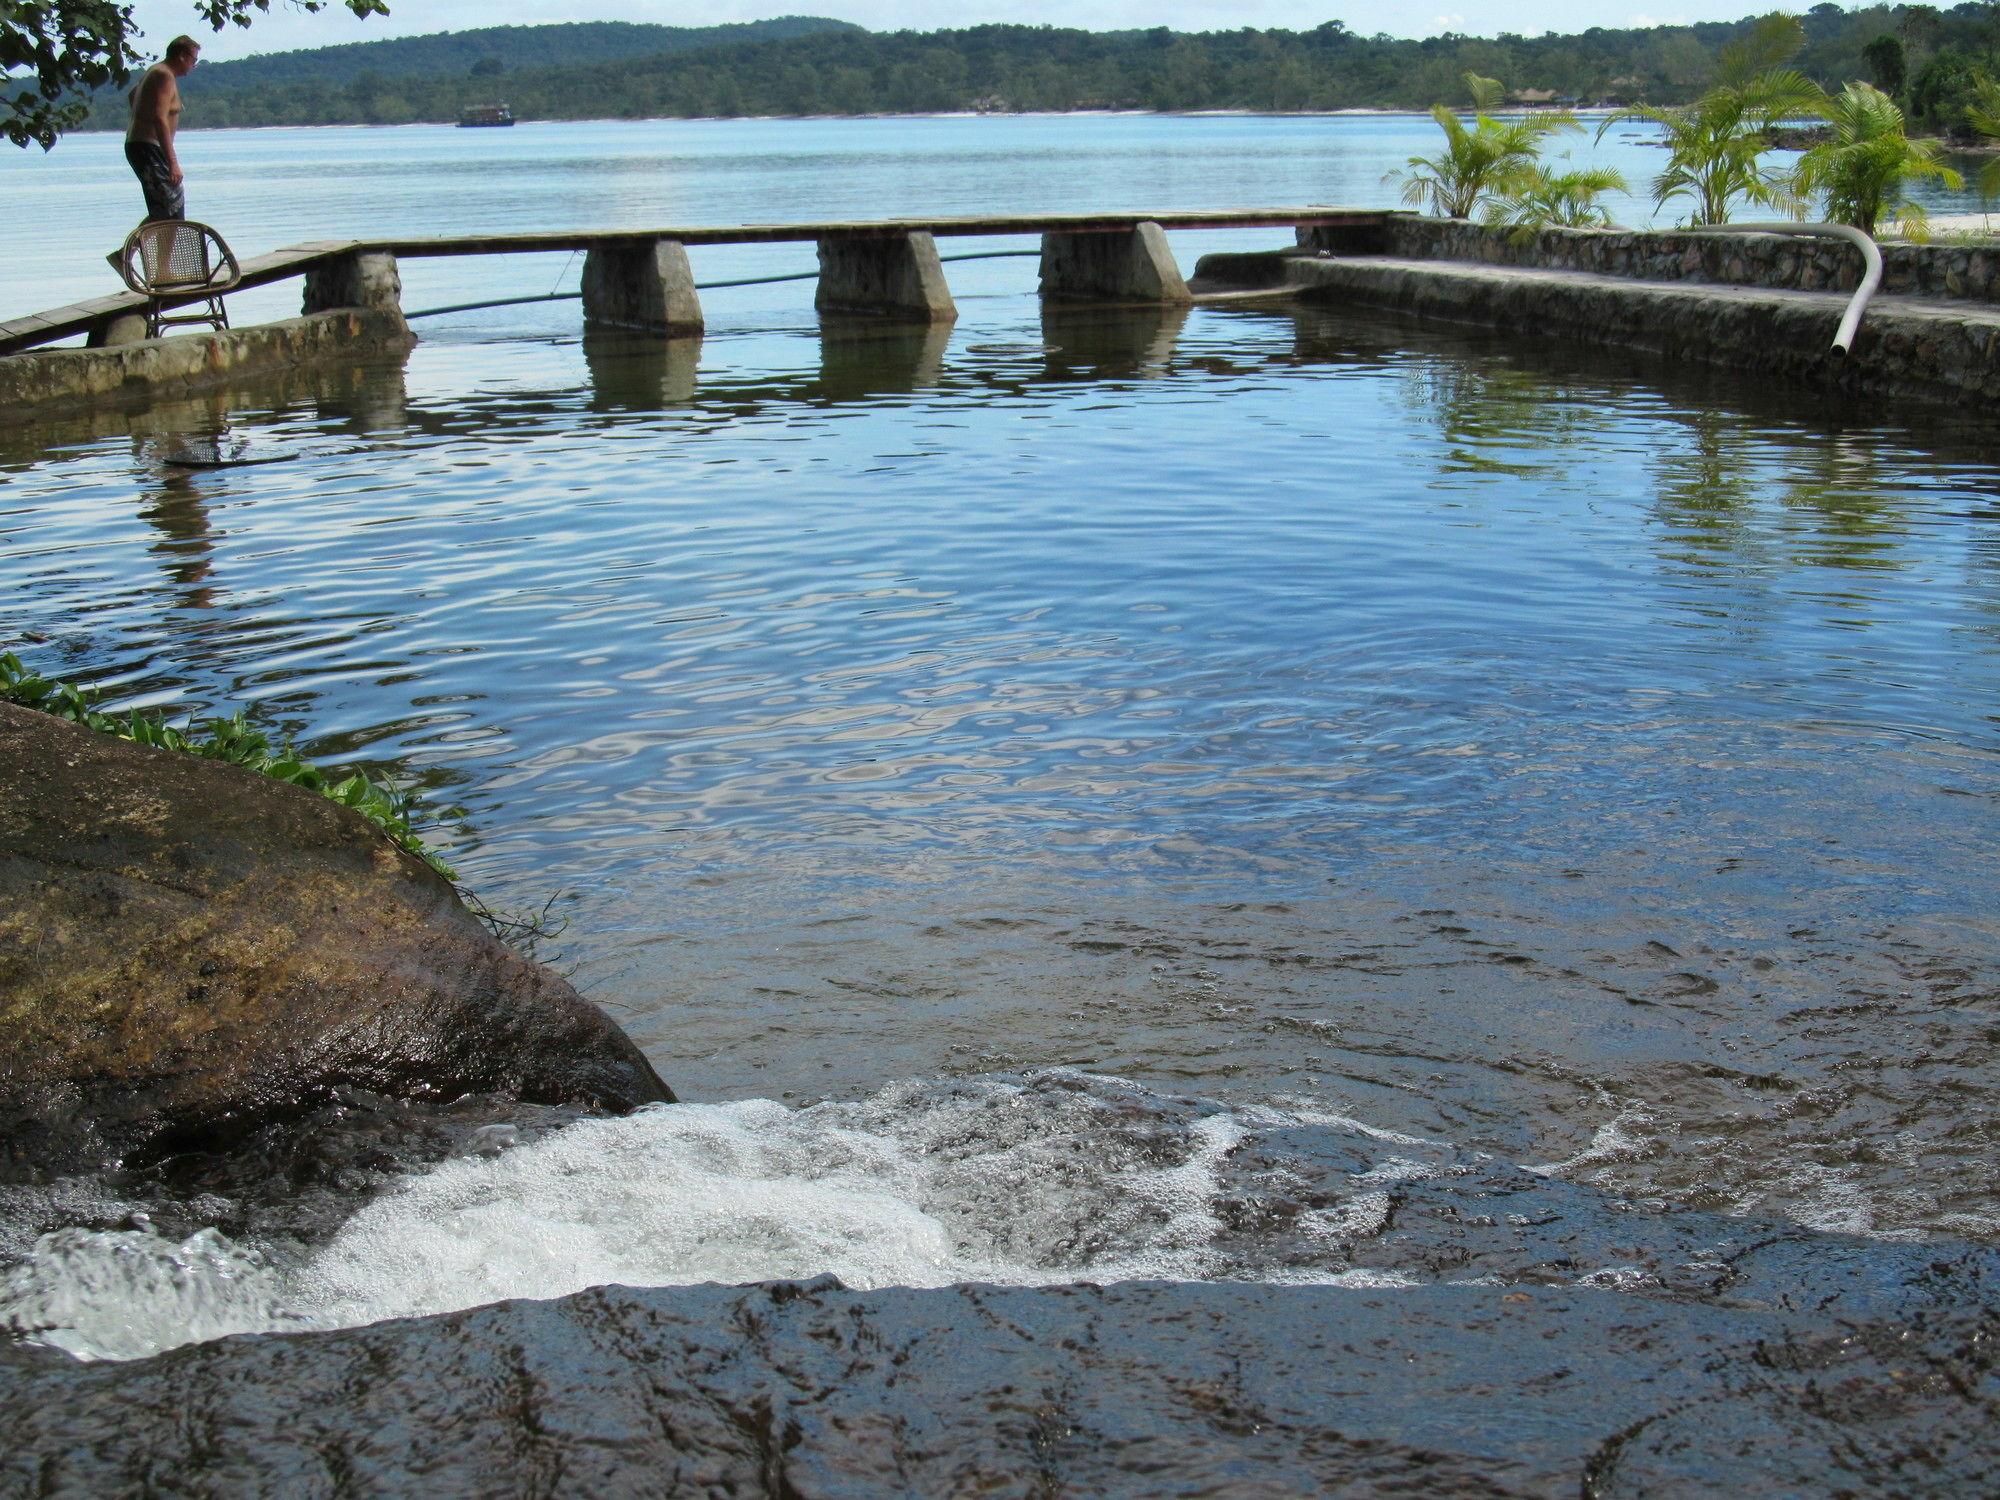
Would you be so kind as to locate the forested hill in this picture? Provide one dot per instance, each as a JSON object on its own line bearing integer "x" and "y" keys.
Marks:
{"x": 501, "y": 48}
{"x": 850, "y": 71}
{"x": 482, "y": 54}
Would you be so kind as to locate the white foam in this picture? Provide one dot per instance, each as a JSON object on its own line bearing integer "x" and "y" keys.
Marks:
{"x": 1619, "y": 1139}
{"x": 1070, "y": 1180}
{"x": 123, "y": 1294}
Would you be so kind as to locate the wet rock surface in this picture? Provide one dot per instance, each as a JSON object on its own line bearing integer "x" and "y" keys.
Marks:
{"x": 1380, "y": 1315}
{"x": 1874, "y": 1378}
{"x": 189, "y": 951}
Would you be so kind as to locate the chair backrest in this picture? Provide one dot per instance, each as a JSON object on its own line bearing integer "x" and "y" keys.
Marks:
{"x": 177, "y": 255}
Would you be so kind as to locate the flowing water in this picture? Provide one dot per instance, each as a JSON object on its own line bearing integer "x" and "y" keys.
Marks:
{"x": 1078, "y": 794}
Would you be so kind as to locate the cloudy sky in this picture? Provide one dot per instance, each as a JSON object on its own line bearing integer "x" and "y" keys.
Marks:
{"x": 286, "y": 27}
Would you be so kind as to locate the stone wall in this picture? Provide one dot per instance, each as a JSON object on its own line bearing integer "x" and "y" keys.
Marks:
{"x": 1901, "y": 351}
{"x": 52, "y": 379}
{"x": 1955, "y": 271}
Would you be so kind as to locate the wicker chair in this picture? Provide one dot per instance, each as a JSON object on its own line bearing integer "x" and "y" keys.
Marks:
{"x": 178, "y": 261}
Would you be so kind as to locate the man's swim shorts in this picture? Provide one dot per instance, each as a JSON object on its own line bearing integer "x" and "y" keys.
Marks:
{"x": 165, "y": 198}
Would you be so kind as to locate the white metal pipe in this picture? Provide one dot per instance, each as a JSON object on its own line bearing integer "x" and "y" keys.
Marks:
{"x": 1871, "y": 258}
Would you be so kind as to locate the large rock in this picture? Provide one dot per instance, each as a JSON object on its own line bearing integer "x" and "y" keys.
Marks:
{"x": 189, "y": 950}
{"x": 806, "y": 1391}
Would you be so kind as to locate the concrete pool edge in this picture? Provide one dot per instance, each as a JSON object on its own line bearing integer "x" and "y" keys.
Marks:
{"x": 48, "y": 381}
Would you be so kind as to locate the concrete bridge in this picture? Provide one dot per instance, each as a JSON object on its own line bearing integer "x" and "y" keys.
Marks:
{"x": 639, "y": 278}
{"x": 1751, "y": 302}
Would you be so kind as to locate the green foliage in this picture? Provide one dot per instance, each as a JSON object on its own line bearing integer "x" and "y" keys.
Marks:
{"x": 54, "y": 53}
{"x": 806, "y": 66}
{"x": 1715, "y": 146}
{"x": 1488, "y": 157}
{"x": 1983, "y": 115}
{"x": 1943, "y": 89}
{"x": 1540, "y": 199}
{"x": 1863, "y": 171}
{"x": 388, "y": 807}
{"x": 1888, "y": 61}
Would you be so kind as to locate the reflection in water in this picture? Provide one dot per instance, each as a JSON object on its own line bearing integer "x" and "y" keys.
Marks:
{"x": 1735, "y": 494}
{"x": 866, "y": 357}
{"x": 1475, "y": 739}
{"x": 1110, "y": 343}
{"x": 639, "y": 372}
{"x": 1498, "y": 417}
{"x": 179, "y": 512}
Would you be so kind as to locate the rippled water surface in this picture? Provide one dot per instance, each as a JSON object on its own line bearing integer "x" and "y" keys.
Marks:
{"x": 1510, "y": 746}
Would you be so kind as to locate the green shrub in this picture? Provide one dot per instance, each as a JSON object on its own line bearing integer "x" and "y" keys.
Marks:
{"x": 390, "y": 808}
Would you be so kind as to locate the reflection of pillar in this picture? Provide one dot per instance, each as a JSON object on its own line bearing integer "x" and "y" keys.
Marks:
{"x": 370, "y": 397}
{"x": 861, "y": 359}
{"x": 1092, "y": 343}
{"x": 1119, "y": 265}
{"x": 186, "y": 544}
{"x": 884, "y": 276}
{"x": 648, "y": 287}
{"x": 638, "y": 372}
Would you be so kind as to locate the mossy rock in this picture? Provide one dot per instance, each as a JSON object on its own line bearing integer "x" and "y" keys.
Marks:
{"x": 189, "y": 950}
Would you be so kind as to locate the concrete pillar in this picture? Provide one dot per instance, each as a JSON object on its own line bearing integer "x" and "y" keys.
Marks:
{"x": 884, "y": 276}
{"x": 126, "y": 328}
{"x": 648, "y": 287}
{"x": 1120, "y": 265}
{"x": 367, "y": 278}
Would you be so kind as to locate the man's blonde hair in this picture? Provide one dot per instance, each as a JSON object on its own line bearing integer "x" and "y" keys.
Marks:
{"x": 182, "y": 46}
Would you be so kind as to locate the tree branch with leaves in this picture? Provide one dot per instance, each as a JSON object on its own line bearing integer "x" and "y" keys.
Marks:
{"x": 54, "y": 54}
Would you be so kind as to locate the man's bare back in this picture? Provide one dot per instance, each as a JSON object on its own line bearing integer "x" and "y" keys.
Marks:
{"x": 156, "y": 119}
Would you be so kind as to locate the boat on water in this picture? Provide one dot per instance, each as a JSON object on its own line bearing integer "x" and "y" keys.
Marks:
{"x": 485, "y": 114}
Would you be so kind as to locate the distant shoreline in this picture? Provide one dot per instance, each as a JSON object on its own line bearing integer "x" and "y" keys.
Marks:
{"x": 1588, "y": 112}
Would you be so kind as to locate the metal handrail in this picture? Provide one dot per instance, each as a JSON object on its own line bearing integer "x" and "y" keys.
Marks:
{"x": 1871, "y": 258}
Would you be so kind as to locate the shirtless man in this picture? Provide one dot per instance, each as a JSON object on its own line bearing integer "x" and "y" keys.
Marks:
{"x": 149, "y": 140}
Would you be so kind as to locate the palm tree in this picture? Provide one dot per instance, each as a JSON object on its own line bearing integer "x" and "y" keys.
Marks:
{"x": 1540, "y": 199}
{"x": 1863, "y": 170}
{"x": 1715, "y": 145}
{"x": 1487, "y": 157}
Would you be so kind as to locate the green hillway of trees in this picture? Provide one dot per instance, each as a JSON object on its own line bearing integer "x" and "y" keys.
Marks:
{"x": 1927, "y": 57}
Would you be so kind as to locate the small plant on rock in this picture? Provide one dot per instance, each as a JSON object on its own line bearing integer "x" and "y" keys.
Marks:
{"x": 390, "y": 808}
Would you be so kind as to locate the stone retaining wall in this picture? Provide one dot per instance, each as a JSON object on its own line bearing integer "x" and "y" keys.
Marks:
{"x": 1901, "y": 352}
{"x": 1966, "y": 272}
{"x": 44, "y": 380}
